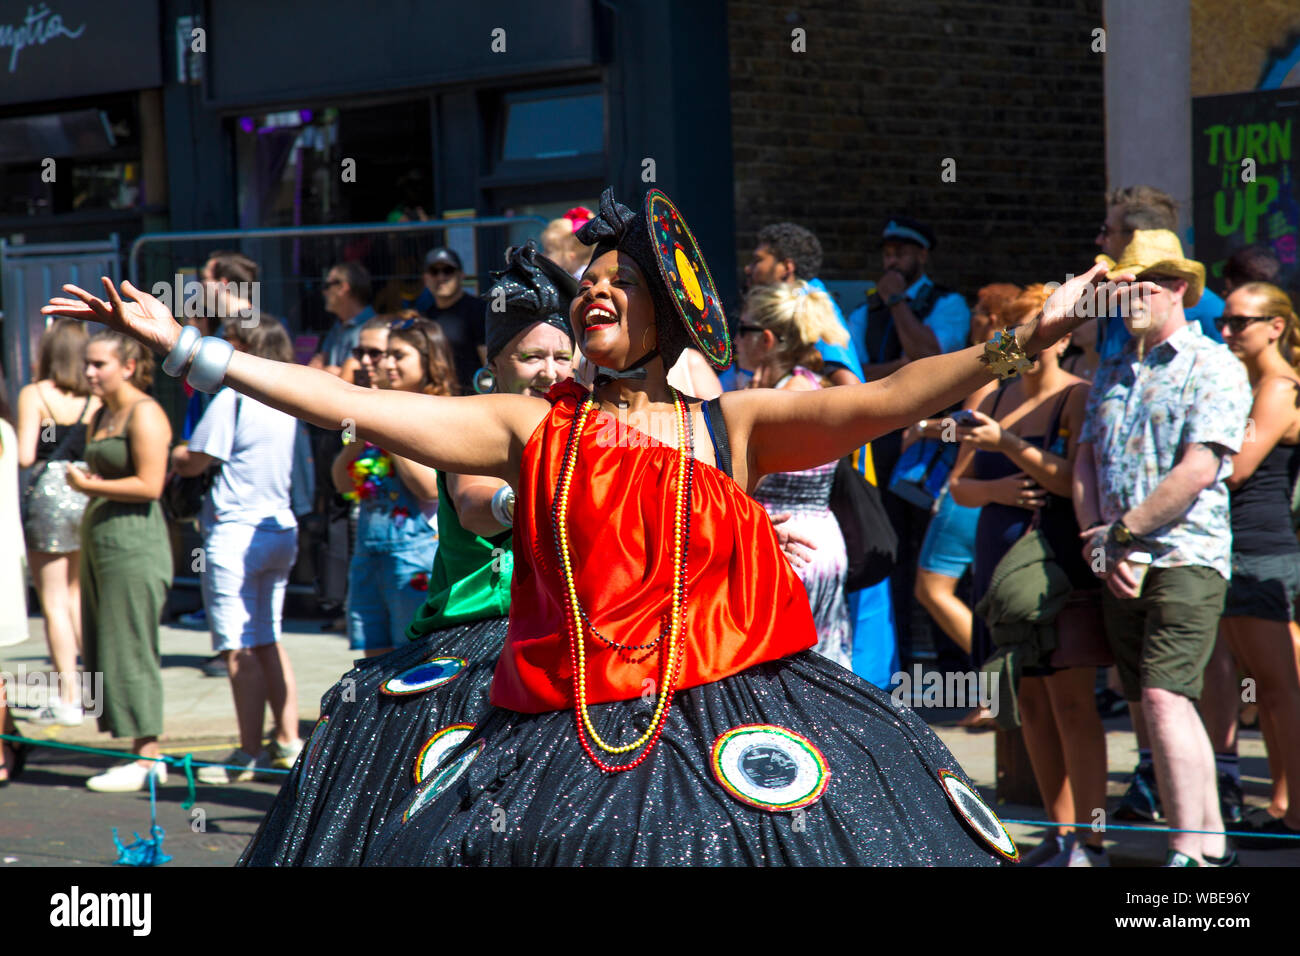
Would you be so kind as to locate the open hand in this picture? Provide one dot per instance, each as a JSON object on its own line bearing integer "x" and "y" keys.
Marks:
{"x": 798, "y": 548}
{"x": 1066, "y": 308}
{"x": 143, "y": 318}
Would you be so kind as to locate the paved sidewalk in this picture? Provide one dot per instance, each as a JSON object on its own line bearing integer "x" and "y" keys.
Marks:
{"x": 199, "y": 718}
{"x": 195, "y": 707}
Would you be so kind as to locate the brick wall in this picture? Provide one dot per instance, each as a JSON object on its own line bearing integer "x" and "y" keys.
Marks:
{"x": 856, "y": 128}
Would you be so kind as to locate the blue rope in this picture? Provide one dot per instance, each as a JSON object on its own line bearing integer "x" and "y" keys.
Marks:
{"x": 1119, "y": 826}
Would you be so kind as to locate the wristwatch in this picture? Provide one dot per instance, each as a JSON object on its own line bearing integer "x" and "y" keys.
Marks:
{"x": 896, "y": 298}
{"x": 1121, "y": 535}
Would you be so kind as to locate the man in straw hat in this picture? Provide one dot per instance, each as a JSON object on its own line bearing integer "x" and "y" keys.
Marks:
{"x": 1164, "y": 417}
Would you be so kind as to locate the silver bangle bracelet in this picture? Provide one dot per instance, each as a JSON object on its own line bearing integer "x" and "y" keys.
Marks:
{"x": 210, "y": 363}
{"x": 182, "y": 351}
{"x": 503, "y": 506}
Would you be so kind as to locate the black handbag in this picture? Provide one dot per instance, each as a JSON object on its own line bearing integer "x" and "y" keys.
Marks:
{"x": 869, "y": 538}
{"x": 182, "y": 498}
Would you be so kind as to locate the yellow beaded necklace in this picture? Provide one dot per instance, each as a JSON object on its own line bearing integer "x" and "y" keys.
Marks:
{"x": 578, "y": 620}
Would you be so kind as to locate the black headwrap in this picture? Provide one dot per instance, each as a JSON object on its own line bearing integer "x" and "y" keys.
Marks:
{"x": 615, "y": 227}
{"x": 530, "y": 289}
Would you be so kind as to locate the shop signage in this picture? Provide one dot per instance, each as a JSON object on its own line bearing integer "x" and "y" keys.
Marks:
{"x": 1246, "y": 177}
{"x": 65, "y": 48}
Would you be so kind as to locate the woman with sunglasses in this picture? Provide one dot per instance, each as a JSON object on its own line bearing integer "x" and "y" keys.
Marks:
{"x": 338, "y": 799}
{"x": 397, "y": 526}
{"x": 777, "y": 342}
{"x": 651, "y": 603}
{"x": 1259, "y": 325}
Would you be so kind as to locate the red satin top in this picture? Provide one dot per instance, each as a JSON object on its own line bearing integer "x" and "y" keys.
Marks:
{"x": 745, "y": 605}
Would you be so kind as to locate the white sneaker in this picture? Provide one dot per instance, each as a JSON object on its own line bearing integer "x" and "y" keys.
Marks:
{"x": 283, "y": 756}
{"x": 1081, "y": 857}
{"x": 126, "y": 777}
{"x": 248, "y": 764}
{"x": 59, "y": 712}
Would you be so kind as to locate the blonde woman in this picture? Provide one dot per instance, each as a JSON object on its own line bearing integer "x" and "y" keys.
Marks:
{"x": 1259, "y": 611}
{"x": 52, "y": 416}
{"x": 777, "y": 341}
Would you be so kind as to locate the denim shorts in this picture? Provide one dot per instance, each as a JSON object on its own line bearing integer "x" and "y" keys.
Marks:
{"x": 1263, "y": 586}
{"x": 949, "y": 547}
{"x": 385, "y": 589}
{"x": 245, "y": 575}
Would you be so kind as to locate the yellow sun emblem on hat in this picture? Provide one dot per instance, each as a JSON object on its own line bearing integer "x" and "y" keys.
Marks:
{"x": 690, "y": 280}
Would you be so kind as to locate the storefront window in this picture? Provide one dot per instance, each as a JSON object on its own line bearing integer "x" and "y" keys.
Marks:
{"x": 553, "y": 124}
{"x": 71, "y": 161}
{"x": 316, "y": 166}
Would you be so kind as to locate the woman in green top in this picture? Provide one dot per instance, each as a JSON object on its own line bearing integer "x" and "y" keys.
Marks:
{"x": 386, "y": 723}
{"x": 126, "y": 557}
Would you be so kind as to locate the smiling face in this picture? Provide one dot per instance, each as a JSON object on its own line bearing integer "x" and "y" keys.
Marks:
{"x": 533, "y": 361}
{"x": 403, "y": 365}
{"x": 613, "y": 315}
{"x": 105, "y": 370}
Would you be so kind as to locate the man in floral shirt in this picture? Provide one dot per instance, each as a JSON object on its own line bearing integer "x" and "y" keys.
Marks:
{"x": 1164, "y": 418}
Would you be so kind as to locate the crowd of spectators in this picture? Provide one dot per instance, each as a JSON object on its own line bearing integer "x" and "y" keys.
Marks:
{"x": 1141, "y": 474}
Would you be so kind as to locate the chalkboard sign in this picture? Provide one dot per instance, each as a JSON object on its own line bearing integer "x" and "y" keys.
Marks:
{"x": 1245, "y": 166}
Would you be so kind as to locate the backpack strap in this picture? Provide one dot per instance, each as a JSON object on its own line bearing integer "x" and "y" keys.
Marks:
{"x": 717, "y": 426}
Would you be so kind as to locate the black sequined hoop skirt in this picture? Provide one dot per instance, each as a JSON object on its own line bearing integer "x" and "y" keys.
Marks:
{"x": 358, "y": 763}
{"x": 716, "y": 791}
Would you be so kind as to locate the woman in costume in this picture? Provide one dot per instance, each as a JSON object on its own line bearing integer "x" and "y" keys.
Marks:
{"x": 387, "y": 722}
{"x": 655, "y": 701}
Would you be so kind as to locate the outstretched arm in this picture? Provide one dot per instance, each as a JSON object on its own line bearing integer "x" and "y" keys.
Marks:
{"x": 478, "y": 434}
{"x": 793, "y": 431}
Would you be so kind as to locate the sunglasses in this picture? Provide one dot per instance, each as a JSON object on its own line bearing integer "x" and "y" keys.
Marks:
{"x": 1238, "y": 323}
{"x": 401, "y": 325}
{"x": 1105, "y": 230}
{"x": 441, "y": 271}
{"x": 374, "y": 355}
{"x": 333, "y": 282}
{"x": 743, "y": 327}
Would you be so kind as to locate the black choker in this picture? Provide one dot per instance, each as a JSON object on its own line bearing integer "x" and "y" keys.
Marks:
{"x": 636, "y": 370}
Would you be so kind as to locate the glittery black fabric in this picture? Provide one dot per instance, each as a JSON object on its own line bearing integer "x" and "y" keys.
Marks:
{"x": 363, "y": 767}
{"x": 532, "y": 797}
{"x": 615, "y": 227}
{"x": 532, "y": 289}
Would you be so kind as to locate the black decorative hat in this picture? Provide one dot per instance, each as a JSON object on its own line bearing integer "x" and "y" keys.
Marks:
{"x": 688, "y": 309}
{"x": 530, "y": 289}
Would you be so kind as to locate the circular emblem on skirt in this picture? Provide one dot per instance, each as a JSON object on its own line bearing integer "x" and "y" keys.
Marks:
{"x": 769, "y": 767}
{"x": 424, "y": 676}
{"x": 978, "y": 814}
{"x": 437, "y": 747}
{"x": 443, "y": 779}
{"x": 314, "y": 743}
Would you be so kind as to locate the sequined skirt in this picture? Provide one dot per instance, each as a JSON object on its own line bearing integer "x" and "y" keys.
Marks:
{"x": 359, "y": 762}
{"x": 52, "y": 515}
{"x": 837, "y": 774}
